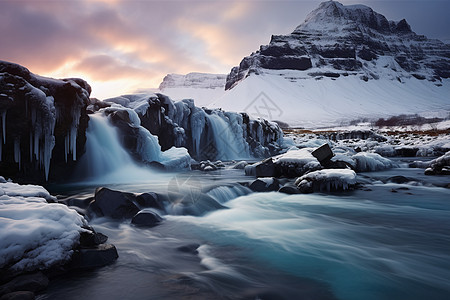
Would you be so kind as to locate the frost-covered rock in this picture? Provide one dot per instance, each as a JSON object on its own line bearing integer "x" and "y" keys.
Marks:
{"x": 366, "y": 162}
{"x": 207, "y": 165}
{"x": 439, "y": 166}
{"x": 43, "y": 123}
{"x": 296, "y": 162}
{"x": 327, "y": 180}
{"x": 35, "y": 234}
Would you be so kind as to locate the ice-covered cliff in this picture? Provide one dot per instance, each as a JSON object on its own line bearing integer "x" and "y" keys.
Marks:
{"x": 43, "y": 122}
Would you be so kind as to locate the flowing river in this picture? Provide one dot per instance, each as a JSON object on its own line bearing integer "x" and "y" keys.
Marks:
{"x": 382, "y": 241}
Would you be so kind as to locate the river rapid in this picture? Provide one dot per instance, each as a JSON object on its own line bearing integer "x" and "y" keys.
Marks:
{"x": 383, "y": 240}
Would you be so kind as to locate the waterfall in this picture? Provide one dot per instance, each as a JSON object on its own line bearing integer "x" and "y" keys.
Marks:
{"x": 228, "y": 138}
{"x": 104, "y": 153}
{"x": 105, "y": 160}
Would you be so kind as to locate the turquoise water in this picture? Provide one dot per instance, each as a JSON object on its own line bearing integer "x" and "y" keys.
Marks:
{"x": 383, "y": 241}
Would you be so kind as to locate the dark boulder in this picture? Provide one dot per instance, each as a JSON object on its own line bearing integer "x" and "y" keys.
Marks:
{"x": 265, "y": 185}
{"x": 146, "y": 219}
{"x": 113, "y": 204}
{"x": 34, "y": 282}
{"x": 99, "y": 256}
{"x": 150, "y": 200}
{"x": 399, "y": 179}
{"x": 265, "y": 168}
{"x": 92, "y": 239}
{"x": 289, "y": 188}
{"x": 323, "y": 154}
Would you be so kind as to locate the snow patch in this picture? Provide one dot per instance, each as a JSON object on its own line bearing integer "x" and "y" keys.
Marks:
{"x": 35, "y": 234}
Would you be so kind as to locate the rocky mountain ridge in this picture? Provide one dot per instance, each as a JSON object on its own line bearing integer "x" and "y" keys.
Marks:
{"x": 337, "y": 40}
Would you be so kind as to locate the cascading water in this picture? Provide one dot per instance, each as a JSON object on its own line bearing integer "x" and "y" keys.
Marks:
{"x": 104, "y": 153}
{"x": 105, "y": 160}
{"x": 229, "y": 143}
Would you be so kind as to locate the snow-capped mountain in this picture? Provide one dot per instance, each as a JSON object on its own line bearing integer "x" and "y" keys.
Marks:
{"x": 350, "y": 40}
{"x": 342, "y": 63}
{"x": 196, "y": 80}
{"x": 202, "y": 87}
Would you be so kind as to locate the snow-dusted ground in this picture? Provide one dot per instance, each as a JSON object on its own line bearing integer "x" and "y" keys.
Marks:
{"x": 35, "y": 234}
{"x": 425, "y": 144}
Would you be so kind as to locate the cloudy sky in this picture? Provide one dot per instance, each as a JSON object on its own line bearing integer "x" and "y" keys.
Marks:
{"x": 120, "y": 46}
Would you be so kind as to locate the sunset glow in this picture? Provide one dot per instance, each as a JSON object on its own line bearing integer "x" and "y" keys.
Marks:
{"x": 120, "y": 46}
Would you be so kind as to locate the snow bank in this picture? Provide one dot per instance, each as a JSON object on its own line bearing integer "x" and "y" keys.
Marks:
{"x": 328, "y": 180}
{"x": 35, "y": 234}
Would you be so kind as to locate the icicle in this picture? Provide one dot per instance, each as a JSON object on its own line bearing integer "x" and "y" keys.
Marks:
{"x": 71, "y": 136}
{"x": 37, "y": 136}
{"x": 17, "y": 151}
{"x": 33, "y": 116}
{"x": 66, "y": 146}
{"x": 31, "y": 146}
{"x": 3, "y": 116}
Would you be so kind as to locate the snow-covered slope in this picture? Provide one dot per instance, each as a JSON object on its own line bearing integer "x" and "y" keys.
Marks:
{"x": 342, "y": 63}
{"x": 295, "y": 98}
{"x": 202, "y": 87}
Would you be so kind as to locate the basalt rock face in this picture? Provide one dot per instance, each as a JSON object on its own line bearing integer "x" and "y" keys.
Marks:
{"x": 349, "y": 40}
{"x": 43, "y": 124}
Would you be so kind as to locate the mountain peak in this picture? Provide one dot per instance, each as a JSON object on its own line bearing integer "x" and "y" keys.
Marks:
{"x": 349, "y": 40}
{"x": 333, "y": 14}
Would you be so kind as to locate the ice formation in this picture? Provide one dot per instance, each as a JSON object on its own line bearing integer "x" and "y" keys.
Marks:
{"x": 207, "y": 134}
{"x": 366, "y": 162}
{"x": 38, "y": 114}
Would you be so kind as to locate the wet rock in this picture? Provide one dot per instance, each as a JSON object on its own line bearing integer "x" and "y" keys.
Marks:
{"x": 265, "y": 185}
{"x": 19, "y": 295}
{"x": 240, "y": 165}
{"x": 146, "y": 219}
{"x": 265, "y": 168}
{"x": 99, "y": 256}
{"x": 192, "y": 248}
{"x": 34, "y": 282}
{"x": 192, "y": 203}
{"x": 150, "y": 200}
{"x": 290, "y": 189}
{"x": 113, "y": 204}
{"x": 399, "y": 179}
{"x": 92, "y": 239}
